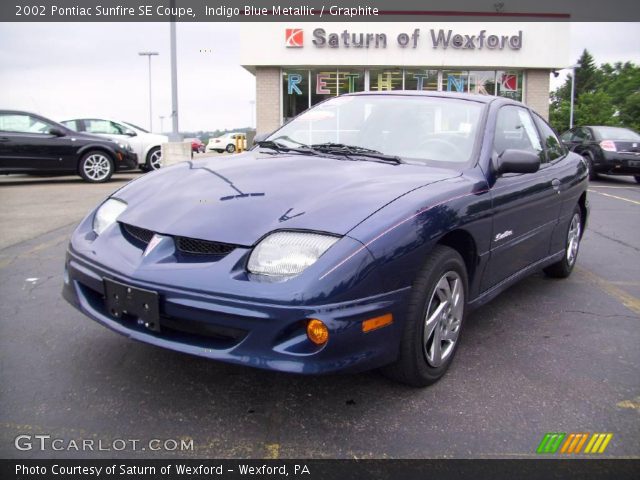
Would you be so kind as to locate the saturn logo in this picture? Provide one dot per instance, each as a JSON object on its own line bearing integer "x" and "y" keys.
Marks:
{"x": 294, "y": 37}
{"x": 153, "y": 243}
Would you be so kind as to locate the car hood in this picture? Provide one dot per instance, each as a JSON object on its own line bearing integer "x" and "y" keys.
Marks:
{"x": 240, "y": 199}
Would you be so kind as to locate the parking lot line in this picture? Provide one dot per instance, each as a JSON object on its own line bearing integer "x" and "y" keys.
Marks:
{"x": 629, "y": 301}
{"x": 614, "y": 196}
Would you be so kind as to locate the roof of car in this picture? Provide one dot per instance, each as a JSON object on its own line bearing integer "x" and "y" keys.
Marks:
{"x": 425, "y": 93}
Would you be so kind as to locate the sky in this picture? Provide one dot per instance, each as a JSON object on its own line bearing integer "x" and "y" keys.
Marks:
{"x": 66, "y": 70}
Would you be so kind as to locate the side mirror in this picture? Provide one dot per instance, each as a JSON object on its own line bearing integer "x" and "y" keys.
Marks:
{"x": 130, "y": 133}
{"x": 518, "y": 161}
{"x": 57, "y": 132}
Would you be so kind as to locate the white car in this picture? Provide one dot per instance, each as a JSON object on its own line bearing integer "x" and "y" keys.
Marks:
{"x": 145, "y": 144}
{"x": 227, "y": 142}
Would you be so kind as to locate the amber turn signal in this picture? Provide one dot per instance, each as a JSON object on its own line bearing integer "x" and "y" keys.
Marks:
{"x": 317, "y": 332}
{"x": 377, "y": 322}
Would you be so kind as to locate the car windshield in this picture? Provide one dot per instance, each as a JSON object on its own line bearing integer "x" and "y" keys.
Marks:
{"x": 136, "y": 127}
{"x": 429, "y": 130}
{"x": 615, "y": 133}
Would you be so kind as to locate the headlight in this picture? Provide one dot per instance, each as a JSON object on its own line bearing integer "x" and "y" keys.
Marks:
{"x": 288, "y": 253}
{"x": 107, "y": 214}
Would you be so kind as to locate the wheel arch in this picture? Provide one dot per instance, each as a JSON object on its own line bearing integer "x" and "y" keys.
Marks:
{"x": 463, "y": 242}
{"x": 92, "y": 148}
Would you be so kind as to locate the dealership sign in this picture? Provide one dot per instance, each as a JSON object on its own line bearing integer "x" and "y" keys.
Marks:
{"x": 440, "y": 38}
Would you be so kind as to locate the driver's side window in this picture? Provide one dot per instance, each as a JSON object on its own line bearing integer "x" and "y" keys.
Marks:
{"x": 23, "y": 123}
{"x": 515, "y": 130}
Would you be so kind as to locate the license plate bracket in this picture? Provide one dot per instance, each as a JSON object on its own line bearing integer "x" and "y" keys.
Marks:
{"x": 123, "y": 299}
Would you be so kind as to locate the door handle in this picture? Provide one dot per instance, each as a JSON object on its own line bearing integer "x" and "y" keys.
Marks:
{"x": 555, "y": 183}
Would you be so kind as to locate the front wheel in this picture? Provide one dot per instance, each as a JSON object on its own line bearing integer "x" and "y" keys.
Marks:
{"x": 231, "y": 148}
{"x": 637, "y": 177}
{"x": 435, "y": 316}
{"x": 96, "y": 167}
{"x": 564, "y": 267}
{"x": 154, "y": 159}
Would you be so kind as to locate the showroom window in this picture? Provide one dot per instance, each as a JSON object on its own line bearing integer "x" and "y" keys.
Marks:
{"x": 509, "y": 84}
{"x": 421, "y": 79}
{"x": 295, "y": 92}
{"x": 384, "y": 79}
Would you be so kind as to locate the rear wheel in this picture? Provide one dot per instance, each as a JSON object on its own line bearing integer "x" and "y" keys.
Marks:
{"x": 435, "y": 316}
{"x": 231, "y": 148}
{"x": 154, "y": 159}
{"x": 637, "y": 177}
{"x": 589, "y": 159}
{"x": 564, "y": 267}
{"x": 96, "y": 167}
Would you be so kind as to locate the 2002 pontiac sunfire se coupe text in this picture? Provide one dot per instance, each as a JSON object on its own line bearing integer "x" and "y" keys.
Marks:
{"x": 359, "y": 235}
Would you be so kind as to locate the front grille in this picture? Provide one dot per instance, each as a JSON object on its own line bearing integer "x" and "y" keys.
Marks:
{"x": 186, "y": 245}
{"x": 141, "y": 234}
{"x": 194, "y": 246}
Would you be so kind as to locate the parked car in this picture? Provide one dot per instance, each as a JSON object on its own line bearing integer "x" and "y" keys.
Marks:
{"x": 609, "y": 150}
{"x": 227, "y": 142}
{"x": 145, "y": 144}
{"x": 196, "y": 145}
{"x": 30, "y": 143}
{"x": 359, "y": 235}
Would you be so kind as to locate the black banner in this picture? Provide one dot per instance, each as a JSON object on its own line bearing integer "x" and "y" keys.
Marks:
{"x": 593, "y": 469}
{"x": 315, "y": 11}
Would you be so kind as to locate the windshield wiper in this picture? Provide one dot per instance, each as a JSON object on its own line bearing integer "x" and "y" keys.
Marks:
{"x": 279, "y": 147}
{"x": 349, "y": 150}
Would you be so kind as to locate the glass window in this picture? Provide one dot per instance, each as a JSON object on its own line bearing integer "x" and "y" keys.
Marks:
{"x": 103, "y": 126}
{"x": 482, "y": 82}
{"x": 509, "y": 84}
{"x": 617, "y": 134}
{"x": 324, "y": 84}
{"x": 421, "y": 79}
{"x": 72, "y": 124}
{"x": 455, "y": 81}
{"x": 550, "y": 140}
{"x": 427, "y": 130}
{"x": 515, "y": 130}
{"x": 295, "y": 92}
{"x": 21, "y": 123}
{"x": 385, "y": 79}
{"x": 351, "y": 80}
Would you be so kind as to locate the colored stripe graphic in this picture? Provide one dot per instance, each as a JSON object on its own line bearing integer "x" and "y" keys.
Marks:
{"x": 573, "y": 443}
{"x": 550, "y": 442}
{"x": 598, "y": 443}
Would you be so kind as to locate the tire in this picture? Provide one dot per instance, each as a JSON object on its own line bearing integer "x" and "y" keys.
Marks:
{"x": 96, "y": 166}
{"x": 564, "y": 267}
{"x": 592, "y": 171}
{"x": 154, "y": 159}
{"x": 230, "y": 148}
{"x": 219, "y": 150}
{"x": 419, "y": 363}
{"x": 637, "y": 177}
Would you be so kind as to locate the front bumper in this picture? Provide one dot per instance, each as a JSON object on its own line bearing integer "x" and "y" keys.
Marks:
{"x": 126, "y": 160}
{"x": 245, "y": 331}
{"x": 619, "y": 163}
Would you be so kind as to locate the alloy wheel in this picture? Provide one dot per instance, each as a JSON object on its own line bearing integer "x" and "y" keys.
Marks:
{"x": 573, "y": 239}
{"x": 155, "y": 159}
{"x": 443, "y": 319}
{"x": 97, "y": 167}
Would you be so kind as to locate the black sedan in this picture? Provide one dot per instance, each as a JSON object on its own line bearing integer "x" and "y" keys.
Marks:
{"x": 30, "y": 143}
{"x": 609, "y": 150}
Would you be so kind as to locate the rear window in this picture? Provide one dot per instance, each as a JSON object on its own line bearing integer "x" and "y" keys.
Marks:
{"x": 615, "y": 133}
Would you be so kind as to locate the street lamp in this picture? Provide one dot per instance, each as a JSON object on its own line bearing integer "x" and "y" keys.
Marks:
{"x": 149, "y": 55}
{"x": 573, "y": 92}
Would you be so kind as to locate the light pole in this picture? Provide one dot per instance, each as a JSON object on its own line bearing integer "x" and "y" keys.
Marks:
{"x": 149, "y": 55}
{"x": 573, "y": 92}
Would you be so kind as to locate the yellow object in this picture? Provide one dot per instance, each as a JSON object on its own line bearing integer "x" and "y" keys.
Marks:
{"x": 377, "y": 322}
{"x": 317, "y": 332}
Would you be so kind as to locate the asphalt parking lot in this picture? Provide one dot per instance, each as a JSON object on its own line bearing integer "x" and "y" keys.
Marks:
{"x": 546, "y": 356}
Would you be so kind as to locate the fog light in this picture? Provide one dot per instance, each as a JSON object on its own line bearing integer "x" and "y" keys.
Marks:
{"x": 317, "y": 332}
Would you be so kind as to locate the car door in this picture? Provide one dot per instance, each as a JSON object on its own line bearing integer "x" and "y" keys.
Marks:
{"x": 26, "y": 144}
{"x": 525, "y": 206}
{"x": 564, "y": 170}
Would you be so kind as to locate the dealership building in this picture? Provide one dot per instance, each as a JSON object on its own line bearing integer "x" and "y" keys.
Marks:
{"x": 297, "y": 66}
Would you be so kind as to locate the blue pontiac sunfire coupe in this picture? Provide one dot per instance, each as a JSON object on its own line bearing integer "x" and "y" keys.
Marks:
{"x": 357, "y": 236}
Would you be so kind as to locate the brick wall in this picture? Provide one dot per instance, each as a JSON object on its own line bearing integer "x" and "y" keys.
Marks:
{"x": 268, "y": 85}
{"x": 537, "y": 91}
